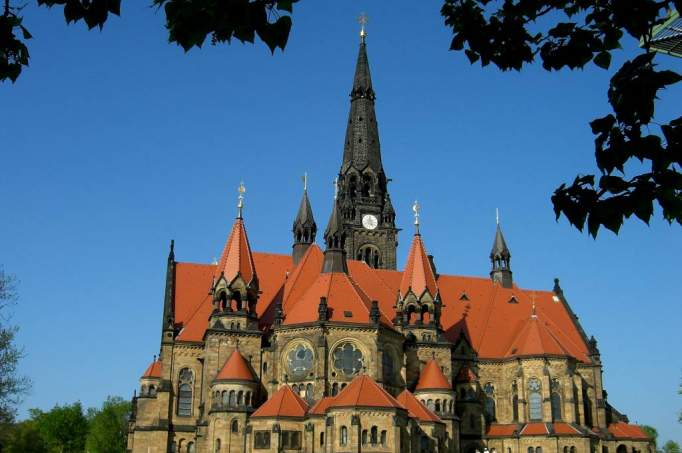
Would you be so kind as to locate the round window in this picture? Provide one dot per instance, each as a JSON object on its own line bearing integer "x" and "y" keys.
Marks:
{"x": 300, "y": 361}
{"x": 347, "y": 359}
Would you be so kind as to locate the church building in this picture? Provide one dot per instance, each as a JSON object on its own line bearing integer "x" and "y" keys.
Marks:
{"x": 332, "y": 349}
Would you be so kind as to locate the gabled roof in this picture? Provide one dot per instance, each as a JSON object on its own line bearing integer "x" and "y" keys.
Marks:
{"x": 320, "y": 408}
{"x": 465, "y": 375}
{"x": 363, "y": 391}
{"x": 534, "y": 429}
{"x": 346, "y": 302}
{"x": 431, "y": 377}
{"x": 153, "y": 370}
{"x": 415, "y": 408}
{"x": 535, "y": 338}
{"x": 235, "y": 369}
{"x": 418, "y": 275}
{"x": 283, "y": 403}
{"x": 622, "y": 430}
{"x": 236, "y": 258}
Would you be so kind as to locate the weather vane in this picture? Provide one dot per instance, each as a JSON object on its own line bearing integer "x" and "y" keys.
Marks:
{"x": 336, "y": 188}
{"x": 240, "y": 203}
{"x": 362, "y": 20}
{"x": 415, "y": 209}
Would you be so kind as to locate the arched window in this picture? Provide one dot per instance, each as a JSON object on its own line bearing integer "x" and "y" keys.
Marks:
{"x": 374, "y": 435}
{"x": 383, "y": 438}
{"x": 489, "y": 391}
{"x": 573, "y": 449}
{"x": 322, "y": 439}
{"x": 534, "y": 400}
{"x": 247, "y": 399}
{"x": 555, "y": 399}
{"x": 538, "y": 449}
{"x": 370, "y": 255}
{"x": 437, "y": 405}
{"x": 622, "y": 449}
{"x": 335, "y": 389}
{"x": 430, "y": 405}
{"x": 344, "y": 435}
{"x": 185, "y": 382}
{"x": 235, "y": 426}
{"x": 190, "y": 447}
{"x": 531, "y": 450}
{"x": 232, "y": 399}
{"x": 364, "y": 437}
{"x": 587, "y": 406}
{"x": 565, "y": 449}
{"x": 240, "y": 398}
{"x": 300, "y": 361}
{"x": 216, "y": 449}
{"x": 348, "y": 359}
{"x": 309, "y": 392}
{"x": 224, "y": 398}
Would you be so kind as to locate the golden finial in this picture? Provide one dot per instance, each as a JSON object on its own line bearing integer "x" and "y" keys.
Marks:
{"x": 533, "y": 314}
{"x": 240, "y": 202}
{"x": 415, "y": 208}
{"x": 362, "y": 20}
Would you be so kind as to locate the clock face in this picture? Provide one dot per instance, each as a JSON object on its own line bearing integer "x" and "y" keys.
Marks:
{"x": 369, "y": 221}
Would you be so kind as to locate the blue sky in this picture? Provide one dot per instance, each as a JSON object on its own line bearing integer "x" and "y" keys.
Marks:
{"x": 114, "y": 142}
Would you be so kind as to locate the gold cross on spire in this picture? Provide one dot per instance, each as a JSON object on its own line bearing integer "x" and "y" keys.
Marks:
{"x": 240, "y": 202}
{"x": 362, "y": 20}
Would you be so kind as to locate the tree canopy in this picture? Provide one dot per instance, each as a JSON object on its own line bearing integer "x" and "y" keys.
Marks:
{"x": 109, "y": 427}
{"x": 638, "y": 155}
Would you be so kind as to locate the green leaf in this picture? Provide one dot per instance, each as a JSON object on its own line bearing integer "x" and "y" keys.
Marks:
{"x": 603, "y": 60}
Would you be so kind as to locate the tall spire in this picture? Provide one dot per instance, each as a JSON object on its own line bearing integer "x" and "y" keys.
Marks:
{"x": 500, "y": 257}
{"x": 305, "y": 227}
{"x": 362, "y": 147}
{"x": 335, "y": 240}
{"x": 168, "y": 321}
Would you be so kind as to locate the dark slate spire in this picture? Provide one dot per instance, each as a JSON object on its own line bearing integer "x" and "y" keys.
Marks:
{"x": 500, "y": 257}
{"x": 304, "y": 228}
{"x": 362, "y": 148}
{"x": 168, "y": 320}
{"x": 335, "y": 240}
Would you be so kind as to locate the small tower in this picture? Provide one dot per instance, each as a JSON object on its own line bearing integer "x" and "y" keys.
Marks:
{"x": 235, "y": 283}
{"x": 335, "y": 241}
{"x": 304, "y": 228}
{"x": 418, "y": 307}
{"x": 500, "y": 257}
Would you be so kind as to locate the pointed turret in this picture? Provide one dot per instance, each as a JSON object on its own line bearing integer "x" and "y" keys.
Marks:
{"x": 304, "y": 228}
{"x": 418, "y": 295}
{"x": 335, "y": 240}
{"x": 235, "y": 286}
{"x": 168, "y": 320}
{"x": 500, "y": 257}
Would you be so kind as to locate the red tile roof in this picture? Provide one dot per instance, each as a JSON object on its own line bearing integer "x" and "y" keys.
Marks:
{"x": 418, "y": 275}
{"x": 236, "y": 258}
{"x": 346, "y": 302}
{"x": 493, "y": 325}
{"x": 283, "y": 403}
{"x": 320, "y": 408}
{"x": 534, "y": 429}
{"x": 499, "y": 430}
{"x": 621, "y": 430}
{"x": 564, "y": 429}
{"x": 431, "y": 377}
{"x": 363, "y": 391}
{"x": 153, "y": 370}
{"x": 235, "y": 369}
{"x": 415, "y": 408}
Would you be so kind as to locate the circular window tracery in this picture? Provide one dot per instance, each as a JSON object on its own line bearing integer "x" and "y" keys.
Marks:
{"x": 348, "y": 359}
{"x": 300, "y": 361}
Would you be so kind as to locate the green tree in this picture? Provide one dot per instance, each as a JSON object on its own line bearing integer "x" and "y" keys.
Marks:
{"x": 671, "y": 447}
{"x": 24, "y": 437}
{"x": 563, "y": 34}
{"x": 109, "y": 427}
{"x": 12, "y": 386}
{"x": 64, "y": 428}
{"x": 651, "y": 432}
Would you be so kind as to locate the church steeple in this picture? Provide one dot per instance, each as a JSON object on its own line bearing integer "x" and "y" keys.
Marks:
{"x": 500, "y": 257}
{"x": 367, "y": 214}
{"x": 305, "y": 227}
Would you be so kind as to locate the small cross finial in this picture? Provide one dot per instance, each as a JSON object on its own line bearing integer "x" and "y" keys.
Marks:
{"x": 497, "y": 216}
{"x": 533, "y": 314}
{"x": 336, "y": 188}
{"x": 240, "y": 202}
{"x": 362, "y": 20}
{"x": 415, "y": 208}
{"x": 305, "y": 180}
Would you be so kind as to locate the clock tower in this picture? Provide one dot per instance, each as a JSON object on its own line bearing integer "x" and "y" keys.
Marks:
{"x": 363, "y": 199}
